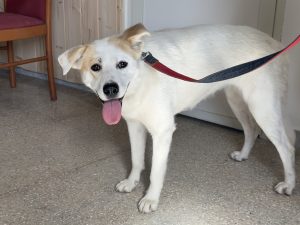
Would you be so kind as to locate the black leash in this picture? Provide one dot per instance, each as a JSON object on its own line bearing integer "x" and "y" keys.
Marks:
{"x": 225, "y": 74}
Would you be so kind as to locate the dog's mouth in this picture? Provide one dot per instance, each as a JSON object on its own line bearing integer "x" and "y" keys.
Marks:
{"x": 111, "y": 111}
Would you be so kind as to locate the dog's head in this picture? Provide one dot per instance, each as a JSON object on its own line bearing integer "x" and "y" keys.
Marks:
{"x": 108, "y": 66}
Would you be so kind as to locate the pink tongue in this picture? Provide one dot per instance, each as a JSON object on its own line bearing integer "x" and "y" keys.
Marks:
{"x": 111, "y": 112}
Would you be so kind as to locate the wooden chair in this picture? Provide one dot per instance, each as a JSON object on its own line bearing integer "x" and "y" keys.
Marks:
{"x": 26, "y": 19}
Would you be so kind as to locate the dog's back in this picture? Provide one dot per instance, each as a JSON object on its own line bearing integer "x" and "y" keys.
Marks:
{"x": 205, "y": 49}
{"x": 209, "y": 47}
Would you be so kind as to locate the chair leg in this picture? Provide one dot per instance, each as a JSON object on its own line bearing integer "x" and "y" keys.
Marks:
{"x": 51, "y": 80}
{"x": 12, "y": 73}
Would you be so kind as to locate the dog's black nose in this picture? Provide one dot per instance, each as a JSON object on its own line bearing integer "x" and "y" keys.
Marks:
{"x": 111, "y": 89}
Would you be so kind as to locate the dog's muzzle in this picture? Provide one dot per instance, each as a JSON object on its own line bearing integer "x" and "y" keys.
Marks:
{"x": 112, "y": 107}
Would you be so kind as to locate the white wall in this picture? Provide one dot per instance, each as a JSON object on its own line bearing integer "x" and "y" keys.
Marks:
{"x": 291, "y": 28}
{"x": 159, "y": 14}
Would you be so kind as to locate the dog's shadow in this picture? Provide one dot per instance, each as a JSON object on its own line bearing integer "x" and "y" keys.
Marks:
{"x": 265, "y": 153}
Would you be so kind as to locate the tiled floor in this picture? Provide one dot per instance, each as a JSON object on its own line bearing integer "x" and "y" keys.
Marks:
{"x": 59, "y": 163}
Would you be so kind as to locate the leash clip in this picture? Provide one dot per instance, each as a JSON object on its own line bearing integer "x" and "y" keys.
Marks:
{"x": 148, "y": 58}
{"x": 144, "y": 55}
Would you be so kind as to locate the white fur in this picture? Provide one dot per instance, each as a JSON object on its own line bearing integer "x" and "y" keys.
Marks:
{"x": 152, "y": 99}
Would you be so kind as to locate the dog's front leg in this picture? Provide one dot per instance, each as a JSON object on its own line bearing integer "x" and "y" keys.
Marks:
{"x": 161, "y": 148}
{"x": 137, "y": 135}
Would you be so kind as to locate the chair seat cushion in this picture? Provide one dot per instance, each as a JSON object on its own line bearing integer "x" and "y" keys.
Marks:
{"x": 11, "y": 21}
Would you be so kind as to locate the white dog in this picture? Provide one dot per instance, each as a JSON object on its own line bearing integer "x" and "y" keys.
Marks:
{"x": 148, "y": 100}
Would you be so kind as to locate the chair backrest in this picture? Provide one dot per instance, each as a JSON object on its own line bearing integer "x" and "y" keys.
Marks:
{"x": 32, "y": 8}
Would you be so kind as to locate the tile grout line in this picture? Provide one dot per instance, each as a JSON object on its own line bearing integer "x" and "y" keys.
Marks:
{"x": 98, "y": 160}
{"x": 294, "y": 217}
{"x": 57, "y": 174}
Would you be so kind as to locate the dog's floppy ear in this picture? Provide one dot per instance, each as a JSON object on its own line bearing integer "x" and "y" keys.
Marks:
{"x": 72, "y": 58}
{"x": 135, "y": 36}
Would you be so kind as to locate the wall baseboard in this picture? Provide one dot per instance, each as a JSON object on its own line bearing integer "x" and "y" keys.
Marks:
{"x": 210, "y": 117}
{"x": 43, "y": 76}
{"x": 297, "y": 144}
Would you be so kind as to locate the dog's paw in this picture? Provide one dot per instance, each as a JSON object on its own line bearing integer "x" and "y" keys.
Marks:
{"x": 237, "y": 156}
{"x": 126, "y": 186}
{"x": 284, "y": 188}
{"x": 147, "y": 205}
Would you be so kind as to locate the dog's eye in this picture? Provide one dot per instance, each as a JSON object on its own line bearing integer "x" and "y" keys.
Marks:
{"x": 96, "y": 67}
{"x": 122, "y": 65}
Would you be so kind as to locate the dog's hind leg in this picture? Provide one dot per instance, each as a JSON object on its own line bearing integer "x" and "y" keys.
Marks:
{"x": 137, "y": 135}
{"x": 241, "y": 111}
{"x": 266, "y": 108}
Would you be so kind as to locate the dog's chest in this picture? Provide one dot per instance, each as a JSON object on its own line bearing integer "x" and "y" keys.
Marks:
{"x": 131, "y": 110}
{"x": 143, "y": 110}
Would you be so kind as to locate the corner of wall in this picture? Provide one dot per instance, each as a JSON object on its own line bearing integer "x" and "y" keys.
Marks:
{"x": 133, "y": 12}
